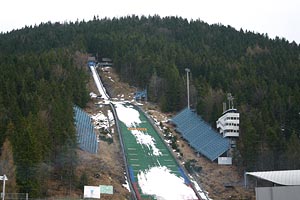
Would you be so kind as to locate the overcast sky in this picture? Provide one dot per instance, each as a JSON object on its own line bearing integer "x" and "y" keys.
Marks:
{"x": 275, "y": 17}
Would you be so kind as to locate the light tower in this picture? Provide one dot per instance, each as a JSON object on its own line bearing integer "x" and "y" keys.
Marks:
{"x": 188, "y": 85}
{"x": 230, "y": 101}
{"x": 3, "y": 178}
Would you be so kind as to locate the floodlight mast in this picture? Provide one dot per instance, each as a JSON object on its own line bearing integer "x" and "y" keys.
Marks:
{"x": 188, "y": 85}
{"x": 4, "y": 178}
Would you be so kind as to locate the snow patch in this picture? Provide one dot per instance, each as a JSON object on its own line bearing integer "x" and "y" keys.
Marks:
{"x": 93, "y": 95}
{"x": 106, "y": 68}
{"x": 158, "y": 181}
{"x": 146, "y": 140}
{"x": 100, "y": 121}
{"x": 111, "y": 79}
{"x": 129, "y": 116}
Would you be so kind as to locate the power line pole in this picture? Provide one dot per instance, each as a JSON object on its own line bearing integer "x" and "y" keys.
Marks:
{"x": 188, "y": 85}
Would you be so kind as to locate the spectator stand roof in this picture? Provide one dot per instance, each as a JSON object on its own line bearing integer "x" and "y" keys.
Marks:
{"x": 285, "y": 177}
{"x": 200, "y": 134}
{"x": 86, "y": 137}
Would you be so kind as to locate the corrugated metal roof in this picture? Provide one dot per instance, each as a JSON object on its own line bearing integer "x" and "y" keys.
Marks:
{"x": 86, "y": 137}
{"x": 287, "y": 177}
{"x": 200, "y": 134}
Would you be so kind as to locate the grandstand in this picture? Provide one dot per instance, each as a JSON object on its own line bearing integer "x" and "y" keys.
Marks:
{"x": 200, "y": 135}
{"x": 86, "y": 137}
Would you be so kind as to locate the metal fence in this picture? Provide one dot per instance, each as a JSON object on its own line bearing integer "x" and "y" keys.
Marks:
{"x": 25, "y": 196}
{"x": 15, "y": 196}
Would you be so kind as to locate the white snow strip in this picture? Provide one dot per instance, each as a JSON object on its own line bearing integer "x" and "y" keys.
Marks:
{"x": 158, "y": 181}
{"x": 111, "y": 117}
{"x": 99, "y": 85}
{"x": 126, "y": 185}
{"x": 199, "y": 190}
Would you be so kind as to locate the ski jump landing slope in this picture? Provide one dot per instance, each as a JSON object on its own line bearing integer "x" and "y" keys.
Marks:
{"x": 153, "y": 170}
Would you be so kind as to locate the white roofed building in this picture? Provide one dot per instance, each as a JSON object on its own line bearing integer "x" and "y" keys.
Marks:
{"x": 228, "y": 125}
{"x": 276, "y": 185}
{"x": 285, "y": 177}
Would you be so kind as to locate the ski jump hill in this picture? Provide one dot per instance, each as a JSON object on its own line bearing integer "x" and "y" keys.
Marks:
{"x": 151, "y": 168}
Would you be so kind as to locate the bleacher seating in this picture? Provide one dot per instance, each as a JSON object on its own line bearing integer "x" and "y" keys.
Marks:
{"x": 86, "y": 137}
{"x": 200, "y": 134}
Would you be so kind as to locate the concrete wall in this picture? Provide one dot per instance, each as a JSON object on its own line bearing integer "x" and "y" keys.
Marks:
{"x": 278, "y": 193}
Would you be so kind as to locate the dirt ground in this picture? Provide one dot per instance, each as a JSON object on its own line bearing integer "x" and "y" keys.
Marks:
{"x": 116, "y": 89}
{"x": 221, "y": 182}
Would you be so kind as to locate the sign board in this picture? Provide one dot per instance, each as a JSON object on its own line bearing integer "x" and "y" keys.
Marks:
{"x": 5, "y": 178}
{"x": 225, "y": 160}
{"x": 91, "y": 192}
{"x": 106, "y": 189}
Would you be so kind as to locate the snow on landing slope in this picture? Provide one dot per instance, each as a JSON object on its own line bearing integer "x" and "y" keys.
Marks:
{"x": 131, "y": 118}
{"x": 147, "y": 140}
{"x": 128, "y": 115}
{"x": 164, "y": 185}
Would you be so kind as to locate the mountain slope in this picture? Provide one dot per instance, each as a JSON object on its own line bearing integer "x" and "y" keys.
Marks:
{"x": 40, "y": 79}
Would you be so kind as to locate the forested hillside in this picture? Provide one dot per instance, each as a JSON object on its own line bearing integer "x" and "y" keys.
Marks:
{"x": 39, "y": 82}
{"x": 37, "y": 94}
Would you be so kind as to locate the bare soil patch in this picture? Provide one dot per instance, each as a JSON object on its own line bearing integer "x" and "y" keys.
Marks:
{"x": 116, "y": 88}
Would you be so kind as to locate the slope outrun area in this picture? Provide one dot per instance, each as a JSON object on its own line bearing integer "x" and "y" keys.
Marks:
{"x": 153, "y": 170}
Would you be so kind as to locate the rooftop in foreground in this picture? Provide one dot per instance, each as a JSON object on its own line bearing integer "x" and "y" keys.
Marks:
{"x": 285, "y": 177}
